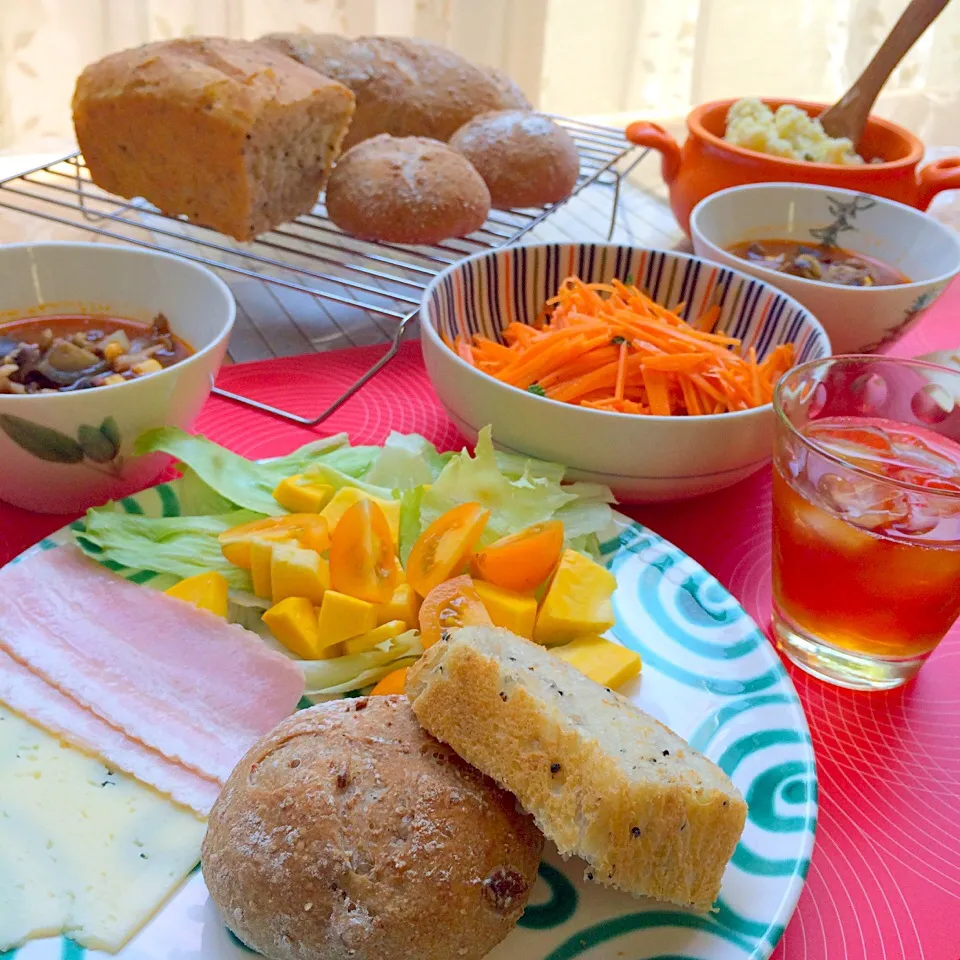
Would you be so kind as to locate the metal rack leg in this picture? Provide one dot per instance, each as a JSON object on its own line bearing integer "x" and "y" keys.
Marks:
{"x": 341, "y": 400}
{"x": 615, "y": 207}
{"x": 619, "y": 175}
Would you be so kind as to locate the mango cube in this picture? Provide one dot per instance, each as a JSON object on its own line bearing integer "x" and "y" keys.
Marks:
{"x": 208, "y": 591}
{"x": 577, "y": 601}
{"x": 343, "y": 617}
{"x": 298, "y": 572}
{"x": 308, "y": 529}
{"x": 293, "y": 622}
{"x": 604, "y": 661}
{"x": 367, "y": 641}
{"x": 261, "y": 561}
{"x": 403, "y": 605}
{"x": 346, "y": 497}
{"x": 300, "y": 496}
{"x": 508, "y": 609}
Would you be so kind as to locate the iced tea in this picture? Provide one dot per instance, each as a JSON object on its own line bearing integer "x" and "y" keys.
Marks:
{"x": 866, "y": 545}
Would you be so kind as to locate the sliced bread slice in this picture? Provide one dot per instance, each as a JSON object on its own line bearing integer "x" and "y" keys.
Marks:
{"x": 603, "y": 780}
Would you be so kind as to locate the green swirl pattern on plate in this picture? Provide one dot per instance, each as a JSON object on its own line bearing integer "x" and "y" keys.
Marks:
{"x": 711, "y": 675}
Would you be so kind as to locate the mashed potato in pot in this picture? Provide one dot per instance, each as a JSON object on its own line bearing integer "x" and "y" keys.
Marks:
{"x": 789, "y": 133}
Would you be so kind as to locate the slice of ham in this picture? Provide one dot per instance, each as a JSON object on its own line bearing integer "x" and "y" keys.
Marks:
{"x": 27, "y": 694}
{"x": 181, "y": 680}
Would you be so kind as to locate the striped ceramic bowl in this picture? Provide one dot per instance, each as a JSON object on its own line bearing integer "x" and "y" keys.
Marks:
{"x": 643, "y": 458}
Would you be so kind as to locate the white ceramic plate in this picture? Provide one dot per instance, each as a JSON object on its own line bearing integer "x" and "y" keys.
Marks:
{"x": 709, "y": 674}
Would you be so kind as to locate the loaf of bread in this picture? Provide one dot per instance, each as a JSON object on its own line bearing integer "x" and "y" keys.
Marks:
{"x": 603, "y": 780}
{"x": 232, "y": 134}
{"x": 349, "y": 833}
{"x": 404, "y": 86}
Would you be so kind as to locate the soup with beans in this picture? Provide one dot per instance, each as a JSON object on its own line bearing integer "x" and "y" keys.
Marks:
{"x": 827, "y": 264}
{"x": 57, "y": 354}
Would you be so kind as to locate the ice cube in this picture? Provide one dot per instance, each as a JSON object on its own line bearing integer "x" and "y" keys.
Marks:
{"x": 868, "y": 504}
{"x": 814, "y": 523}
{"x": 923, "y": 517}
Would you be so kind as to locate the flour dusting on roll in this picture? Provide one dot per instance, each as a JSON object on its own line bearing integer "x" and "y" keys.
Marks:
{"x": 349, "y": 832}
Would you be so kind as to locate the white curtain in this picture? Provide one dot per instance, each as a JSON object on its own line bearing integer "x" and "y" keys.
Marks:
{"x": 612, "y": 58}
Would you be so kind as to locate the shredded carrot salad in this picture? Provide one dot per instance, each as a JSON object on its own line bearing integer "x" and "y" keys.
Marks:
{"x": 610, "y": 347}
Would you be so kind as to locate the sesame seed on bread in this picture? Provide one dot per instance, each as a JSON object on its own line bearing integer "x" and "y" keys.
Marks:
{"x": 603, "y": 780}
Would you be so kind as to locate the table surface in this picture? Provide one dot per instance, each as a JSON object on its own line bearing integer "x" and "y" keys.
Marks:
{"x": 884, "y": 881}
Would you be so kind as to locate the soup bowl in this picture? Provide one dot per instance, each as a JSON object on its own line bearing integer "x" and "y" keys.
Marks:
{"x": 706, "y": 163}
{"x": 64, "y": 452}
{"x": 857, "y": 319}
{"x": 642, "y": 458}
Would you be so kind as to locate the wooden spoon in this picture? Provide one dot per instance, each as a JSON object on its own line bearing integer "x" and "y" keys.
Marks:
{"x": 848, "y": 116}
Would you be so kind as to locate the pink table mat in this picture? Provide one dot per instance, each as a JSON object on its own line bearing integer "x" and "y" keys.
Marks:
{"x": 884, "y": 881}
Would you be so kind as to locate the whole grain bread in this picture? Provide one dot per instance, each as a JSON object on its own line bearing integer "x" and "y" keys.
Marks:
{"x": 405, "y": 86}
{"x": 349, "y": 833}
{"x": 525, "y": 159}
{"x": 603, "y": 780}
{"x": 406, "y": 190}
{"x": 232, "y": 134}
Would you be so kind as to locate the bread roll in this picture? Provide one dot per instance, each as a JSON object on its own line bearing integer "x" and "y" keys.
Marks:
{"x": 604, "y": 780}
{"x": 232, "y": 134}
{"x": 348, "y": 832}
{"x": 525, "y": 159}
{"x": 404, "y": 86}
{"x": 406, "y": 190}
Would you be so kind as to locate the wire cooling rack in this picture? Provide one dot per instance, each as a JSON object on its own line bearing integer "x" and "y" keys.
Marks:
{"x": 335, "y": 288}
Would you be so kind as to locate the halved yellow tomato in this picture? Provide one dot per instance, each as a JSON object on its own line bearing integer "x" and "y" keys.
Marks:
{"x": 442, "y": 549}
{"x": 395, "y": 682}
{"x": 363, "y": 563}
{"x": 451, "y": 604}
{"x": 521, "y": 561}
{"x": 310, "y": 530}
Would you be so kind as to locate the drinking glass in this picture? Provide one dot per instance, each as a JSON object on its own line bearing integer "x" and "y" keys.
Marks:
{"x": 866, "y": 517}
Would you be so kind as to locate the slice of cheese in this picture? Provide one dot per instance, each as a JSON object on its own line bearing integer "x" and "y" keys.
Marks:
{"x": 85, "y": 850}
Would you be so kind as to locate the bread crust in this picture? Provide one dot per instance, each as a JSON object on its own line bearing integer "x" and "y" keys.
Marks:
{"x": 406, "y": 190}
{"x": 525, "y": 159}
{"x": 349, "y": 832}
{"x": 230, "y": 133}
{"x": 603, "y": 780}
{"x": 405, "y": 86}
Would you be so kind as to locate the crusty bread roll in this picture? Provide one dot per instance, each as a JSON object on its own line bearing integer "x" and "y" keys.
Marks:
{"x": 406, "y": 190}
{"x": 232, "y": 134}
{"x": 404, "y": 86}
{"x": 604, "y": 780}
{"x": 349, "y": 832}
{"x": 525, "y": 159}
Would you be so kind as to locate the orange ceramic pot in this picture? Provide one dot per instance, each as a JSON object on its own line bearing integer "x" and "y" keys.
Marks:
{"x": 706, "y": 163}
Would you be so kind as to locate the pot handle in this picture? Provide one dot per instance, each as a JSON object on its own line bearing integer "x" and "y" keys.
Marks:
{"x": 652, "y": 135}
{"x": 934, "y": 177}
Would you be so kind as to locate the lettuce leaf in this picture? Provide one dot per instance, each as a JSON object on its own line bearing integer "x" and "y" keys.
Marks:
{"x": 182, "y": 546}
{"x": 589, "y": 514}
{"x": 407, "y": 461}
{"x": 246, "y": 483}
{"x": 329, "y": 679}
{"x": 198, "y": 498}
{"x": 349, "y": 461}
{"x": 530, "y": 497}
{"x": 515, "y": 465}
{"x": 410, "y": 526}
{"x": 322, "y": 472}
